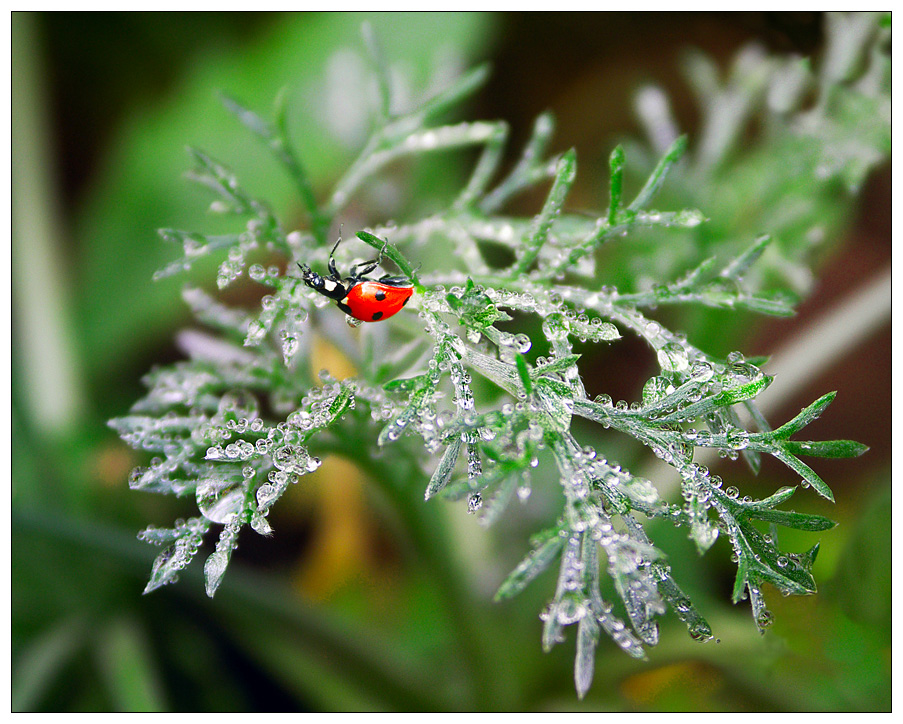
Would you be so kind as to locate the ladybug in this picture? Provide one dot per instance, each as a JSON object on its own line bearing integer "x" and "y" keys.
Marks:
{"x": 368, "y": 300}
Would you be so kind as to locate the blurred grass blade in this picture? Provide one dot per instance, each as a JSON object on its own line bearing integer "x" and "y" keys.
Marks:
{"x": 36, "y": 668}
{"x": 128, "y": 669}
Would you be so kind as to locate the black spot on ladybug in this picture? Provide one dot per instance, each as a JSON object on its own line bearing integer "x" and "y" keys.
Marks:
{"x": 405, "y": 301}
{"x": 380, "y": 296}
{"x": 377, "y": 315}
{"x": 344, "y": 307}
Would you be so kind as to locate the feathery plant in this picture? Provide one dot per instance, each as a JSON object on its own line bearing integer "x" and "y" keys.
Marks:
{"x": 239, "y": 422}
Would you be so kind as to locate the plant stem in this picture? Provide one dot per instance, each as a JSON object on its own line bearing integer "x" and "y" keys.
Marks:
{"x": 430, "y": 539}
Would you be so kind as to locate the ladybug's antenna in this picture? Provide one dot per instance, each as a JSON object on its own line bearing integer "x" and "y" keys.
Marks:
{"x": 331, "y": 263}
{"x": 332, "y": 253}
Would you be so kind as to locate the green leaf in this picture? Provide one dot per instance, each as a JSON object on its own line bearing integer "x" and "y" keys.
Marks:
{"x": 762, "y": 562}
{"x": 545, "y": 550}
{"x": 556, "y": 366}
{"x": 128, "y": 668}
{"x": 775, "y": 307}
{"x": 738, "y": 267}
{"x": 381, "y": 71}
{"x": 863, "y": 583}
{"x": 565, "y": 173}
{"x": 556, "y": 398}
{"x": 807, "y": 473}
{"x": 524, "y": 372}
{"x": 40, "y": 663}
{"x": 407, "y": 384}
{"x": 792, "y": 519}
{"x": 781, "y": 496}
{"x": 475, "y": 308}
{"x": 826, "y": 448}
{"x": 446, "y": 466}
{"x": 276, "y": 138}
{"x": 806, "y": 415}
{"x": 468, "y": 84}
{"x": 657, "y": 178}
{"x": 746, "y": 391}
{"x": 383, "y": 246}
{"x": 530, "y": 169}
{"x": 725, "y": 398}
{"x": 341, "y": 403}
{"x": 616, "y": 168}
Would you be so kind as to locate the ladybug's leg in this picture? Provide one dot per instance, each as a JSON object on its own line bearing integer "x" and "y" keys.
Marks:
{"x": 366, "y": 268}
{"x": 369, "y": 266}
{"x": 331, "y": 263}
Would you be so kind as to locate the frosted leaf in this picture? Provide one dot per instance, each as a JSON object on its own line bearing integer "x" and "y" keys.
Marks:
{"x": 158, "y": 536}
{"x": 445, "y": 468}
{"x": 289, "y": 348}
{"x": 620, "y": 634}
{"x": 216, "y": 564}
{"x": 214, "y": 569}
{"x": 172, "y": 560}
{"x": 294, "y": 459}
{"x": 261, "y": 525}
{"x": 584, "y": 661}
{"x": 256, "y": 332}
{"x": 641, "y": 491}
{"x": 266, "y": 494}
{"x": 556, "y": 401}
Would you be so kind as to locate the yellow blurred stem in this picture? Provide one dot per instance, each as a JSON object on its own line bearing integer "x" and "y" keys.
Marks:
{"x": 699, "y": 679}
{"x": 339, "y": 551}
{"x": 326, "y": 356}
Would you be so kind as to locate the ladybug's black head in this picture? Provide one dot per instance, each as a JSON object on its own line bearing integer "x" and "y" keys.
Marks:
{"x": 331, "y": 287}
{"x": 309, "y": 276}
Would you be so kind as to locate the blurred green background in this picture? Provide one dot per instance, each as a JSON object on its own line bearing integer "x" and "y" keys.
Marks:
{"x": 335, "y": 612}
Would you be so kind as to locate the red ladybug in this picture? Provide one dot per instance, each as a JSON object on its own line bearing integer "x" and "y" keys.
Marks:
{"x": 368, "y": 300}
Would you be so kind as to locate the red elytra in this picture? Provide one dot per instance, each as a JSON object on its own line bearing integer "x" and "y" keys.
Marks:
{"x": 373, "y": 301}
{"x": 368, "y": 300}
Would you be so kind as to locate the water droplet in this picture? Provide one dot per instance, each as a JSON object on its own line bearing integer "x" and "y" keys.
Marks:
{"x": 474, "y": 503}
{"x": 765, "y": 618}
{"x": 672, "y": 357}
{"x": 220, "y": 498}
{"x": 555, "y": 327}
